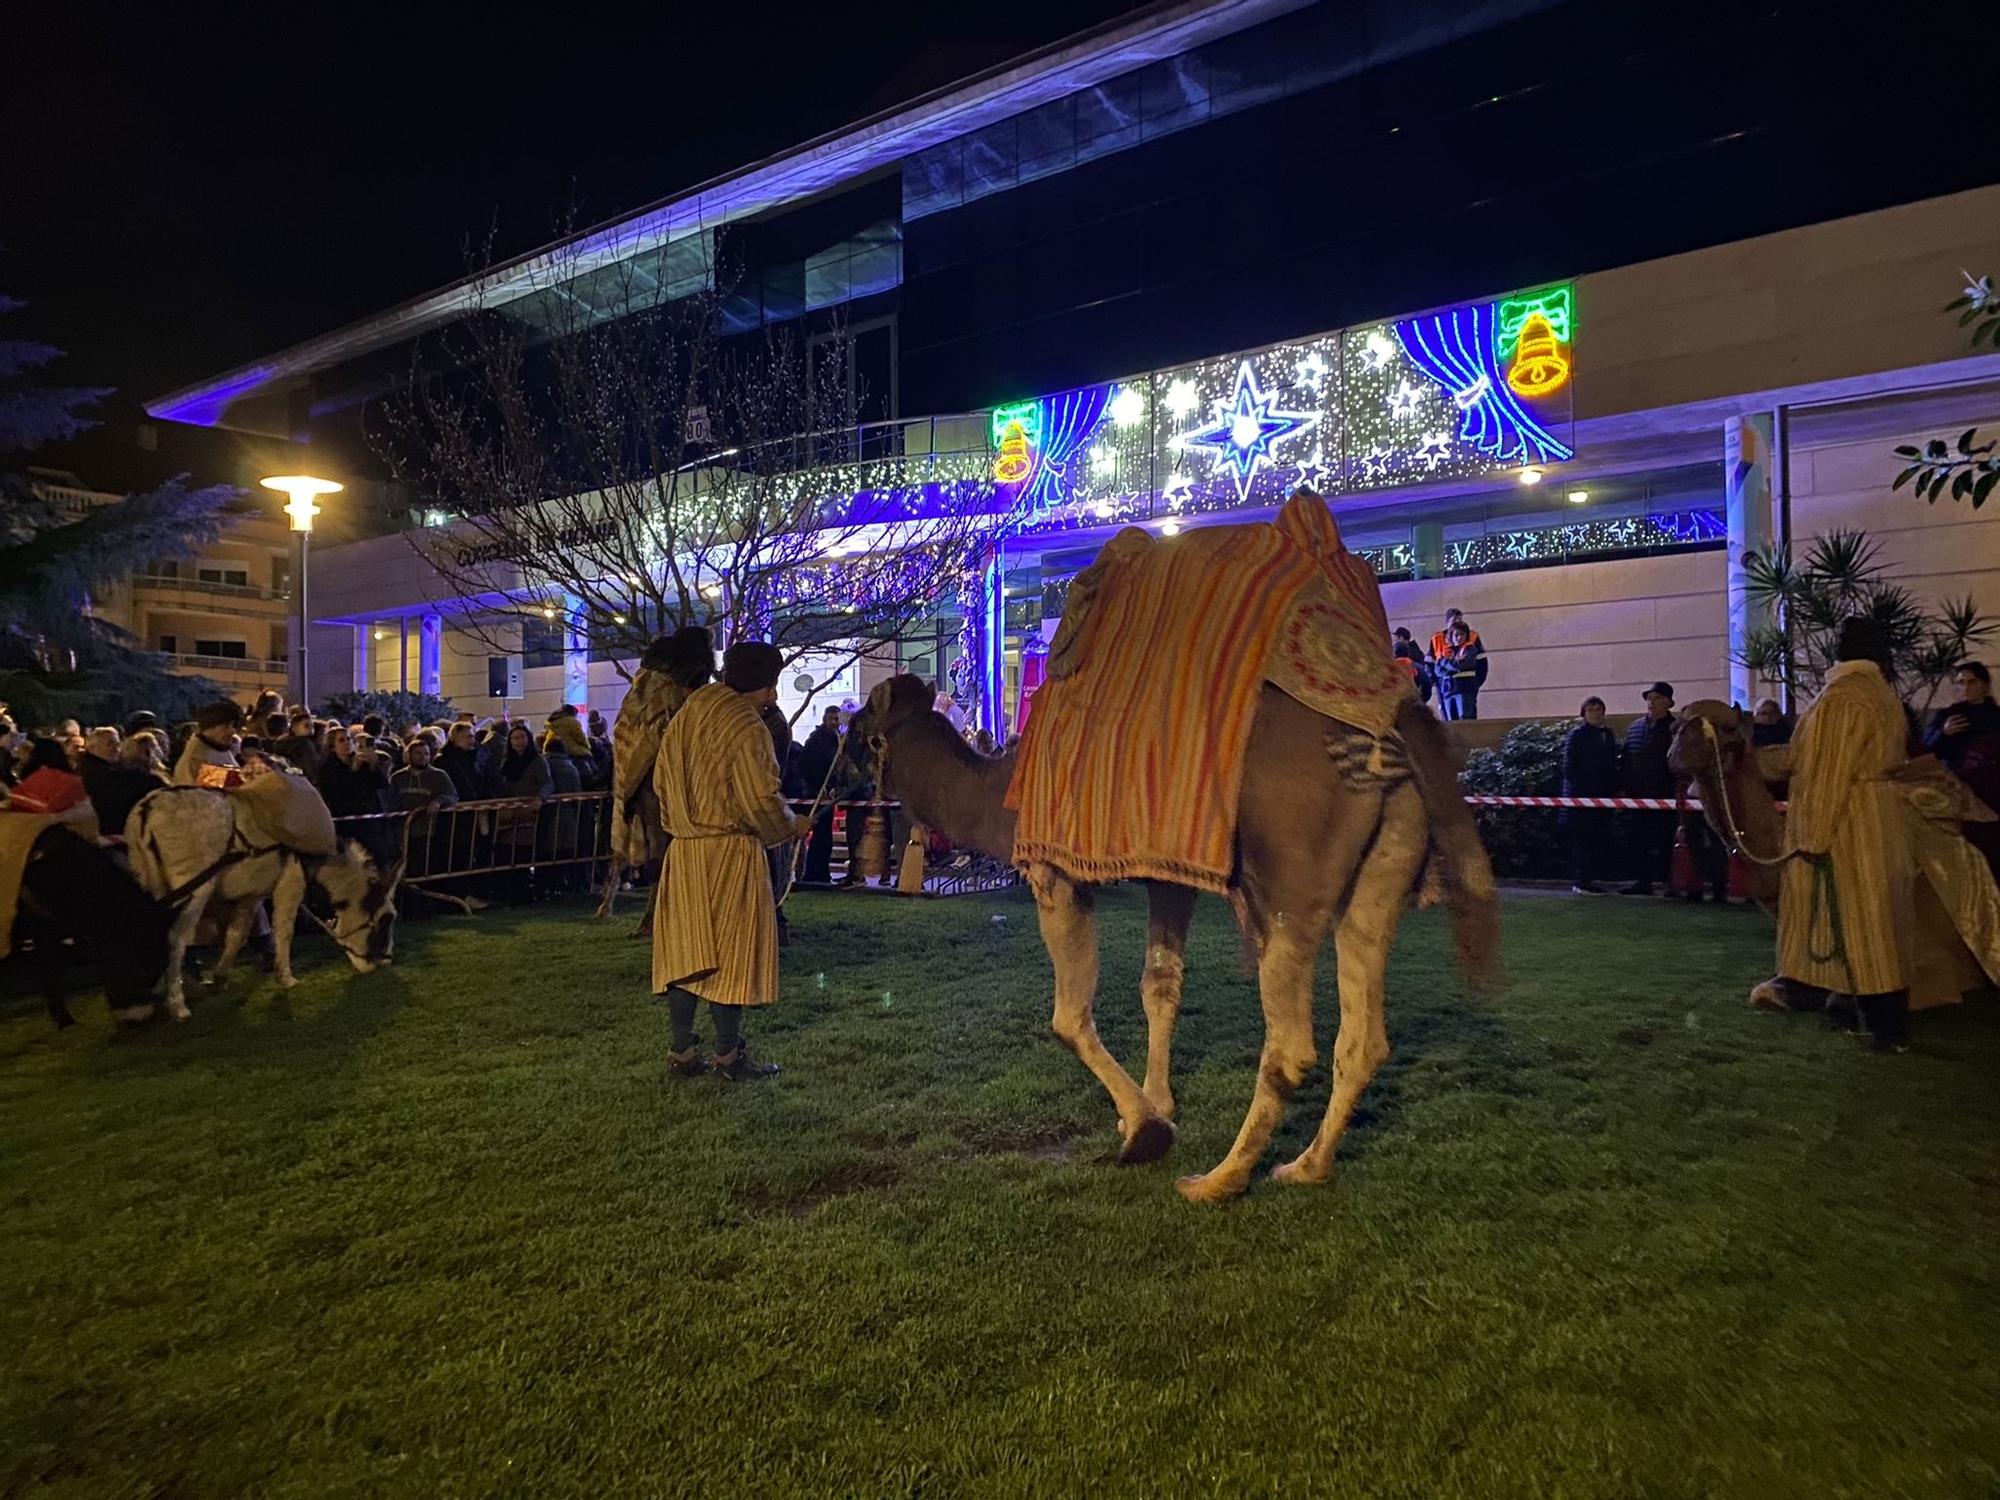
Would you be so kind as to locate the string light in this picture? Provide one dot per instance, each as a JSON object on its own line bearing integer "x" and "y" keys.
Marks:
{"x": 1701, "y": 527}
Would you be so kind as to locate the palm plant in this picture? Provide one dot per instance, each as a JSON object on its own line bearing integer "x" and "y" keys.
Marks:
{"x": 1841, "y": 576}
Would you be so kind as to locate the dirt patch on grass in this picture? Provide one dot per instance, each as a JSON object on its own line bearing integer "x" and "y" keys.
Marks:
{"x": 875, "y": 1175}
{"x": 1048, "y": 1144}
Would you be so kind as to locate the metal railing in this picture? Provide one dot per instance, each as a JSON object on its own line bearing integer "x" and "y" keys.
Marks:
{"x": 206, "y": 586}
{"x": 261, "y": 665}
{"x": 564, "y": 842}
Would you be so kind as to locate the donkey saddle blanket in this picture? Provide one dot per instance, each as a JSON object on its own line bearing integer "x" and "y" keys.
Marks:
{"x": 1132, "y": 763}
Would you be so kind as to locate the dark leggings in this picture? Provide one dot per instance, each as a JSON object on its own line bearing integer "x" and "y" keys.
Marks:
{"x": 680, "y": 1016}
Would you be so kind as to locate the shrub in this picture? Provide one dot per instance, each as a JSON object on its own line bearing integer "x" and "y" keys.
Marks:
{"x": 1523, "y": 841}
{"x": 396, "y": 708}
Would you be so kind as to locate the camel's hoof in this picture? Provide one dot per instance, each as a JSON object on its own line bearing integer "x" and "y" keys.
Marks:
{"x": 288, "y": 982}
{"x": 1207, "y": 1187}
{"x": 1149, "y": 1142}
{"x": 1296, "y": 1174}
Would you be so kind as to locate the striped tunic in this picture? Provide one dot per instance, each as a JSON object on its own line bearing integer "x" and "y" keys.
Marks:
{"x": 635, "y": 749}
{"x": 715, "y": 924}
{"x": 1847, "y": 926}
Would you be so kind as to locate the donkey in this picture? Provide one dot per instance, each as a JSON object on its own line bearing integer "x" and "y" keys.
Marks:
{"x": 197, "y": 847}
{"x": 74, "y": 895}
{"x": 1317, "y": 845}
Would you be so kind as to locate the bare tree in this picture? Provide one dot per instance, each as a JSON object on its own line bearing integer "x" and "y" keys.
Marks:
{"x": 606, "y": 448}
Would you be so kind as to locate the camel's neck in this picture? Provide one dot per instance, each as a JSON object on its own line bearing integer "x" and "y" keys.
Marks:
{"x": 1758, "y": 822}
{"x": 948, "y": 786}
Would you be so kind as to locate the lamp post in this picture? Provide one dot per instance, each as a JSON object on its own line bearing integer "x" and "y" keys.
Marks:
{"x": 301, "y": 492}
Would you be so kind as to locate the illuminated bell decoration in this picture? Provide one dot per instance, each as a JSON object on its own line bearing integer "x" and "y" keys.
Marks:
{"x": 1538, "y": 367}
{"x": 1015, "y": 462}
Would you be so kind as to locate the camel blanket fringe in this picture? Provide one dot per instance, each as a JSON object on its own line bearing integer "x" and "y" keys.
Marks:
{"x": 1132, "y": 763}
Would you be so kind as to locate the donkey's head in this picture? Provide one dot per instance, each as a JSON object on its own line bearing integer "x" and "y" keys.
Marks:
{"x": 363, "y": 900}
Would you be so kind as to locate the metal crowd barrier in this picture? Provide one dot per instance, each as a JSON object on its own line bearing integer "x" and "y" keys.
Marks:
{"x": 505, "y": 838}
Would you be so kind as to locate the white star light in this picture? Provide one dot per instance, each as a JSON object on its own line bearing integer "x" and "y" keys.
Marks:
{"x": 1403, "y": 405}
{"x": 1312, "y": 370}
{"x": 1179, "y": 487}
{"x": 1312, "y": 472}
{"x": 1103, "y": 461}
{"x": 1376, "y": 350}
{"x": 1375, "y": 464}
{"x": 1182, "y": 399}
{"x": 1435, "y": 450}
{"x": 1128, "y": 407}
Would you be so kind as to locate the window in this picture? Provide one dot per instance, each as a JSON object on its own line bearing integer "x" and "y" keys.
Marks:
{"x": 231, "y": 650}
{"x": 541, "y": 642}
{"x": 229, "y": 573}
{"x": 170, "y": 643}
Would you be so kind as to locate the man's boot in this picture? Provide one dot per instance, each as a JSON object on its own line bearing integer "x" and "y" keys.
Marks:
{"x": 1888, "y": 1018}
{"x": 739, "y": 1066}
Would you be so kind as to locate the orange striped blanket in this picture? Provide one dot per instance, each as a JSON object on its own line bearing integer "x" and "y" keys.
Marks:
{"x": 1132, "y": 763}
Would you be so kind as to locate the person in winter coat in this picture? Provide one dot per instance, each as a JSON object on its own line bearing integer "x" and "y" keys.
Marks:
{"x": 1647, "y": 775}
{"x": 1590, "y": 769}
{"x": 47, "y": 784}
{"x": 522, "y": 776}
{"x": 353, "y": 784}
{"x": 421, "y": 788}
{"x": 300, "y": 745}
{"x": 556, "y": 835}
{"x": 1460, "y": 672}
{"x": 815, "y": 763}
{"x": 114, "y": 787}
{"x": 213, "y": 743}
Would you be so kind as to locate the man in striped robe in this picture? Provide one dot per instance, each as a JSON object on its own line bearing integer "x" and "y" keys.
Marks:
{"x": 1870, "y": 865}
{"x": 715, "y": 931}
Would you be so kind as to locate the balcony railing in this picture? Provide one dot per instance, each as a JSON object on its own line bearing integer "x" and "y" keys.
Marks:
{"x": 259, "y": 665}
{"x": 205, "y": 586}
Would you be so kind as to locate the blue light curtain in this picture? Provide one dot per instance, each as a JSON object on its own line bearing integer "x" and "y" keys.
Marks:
{"x": 1068, "y": 421}
{"x": 1458, "y": 350}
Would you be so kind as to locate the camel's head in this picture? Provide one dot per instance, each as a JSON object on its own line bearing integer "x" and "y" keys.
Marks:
{"x": 1709, "y": 735}
{"x": 892, "y": 705}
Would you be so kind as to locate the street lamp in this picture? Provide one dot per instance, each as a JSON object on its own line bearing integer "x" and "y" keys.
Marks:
{"x": 300, "y": 492}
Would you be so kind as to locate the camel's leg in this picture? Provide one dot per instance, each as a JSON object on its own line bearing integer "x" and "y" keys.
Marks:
{"x": 1169, "y": 909}
{"x": 1362, "y": 942}
{"x": 1285, "y": 978}
{"x": 286, "y": 898}
{"x": 1302, "y": 836}
{"x": 1070, "y": 931}
{"x": 233, "y": 937}
{"x": 178, "y": 938}
{"x": 613, "y": 874}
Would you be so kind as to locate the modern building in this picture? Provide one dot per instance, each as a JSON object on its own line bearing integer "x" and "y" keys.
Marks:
{"x": 1556, "y": 307}
{"x": 222, "y": 613}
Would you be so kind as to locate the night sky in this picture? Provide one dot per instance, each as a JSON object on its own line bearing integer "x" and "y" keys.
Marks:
{"x": 178, "y": 196}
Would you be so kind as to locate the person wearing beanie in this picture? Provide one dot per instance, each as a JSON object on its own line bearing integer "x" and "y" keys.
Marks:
{"x": 217, "y": 728}
{"x": 715, "y": 927}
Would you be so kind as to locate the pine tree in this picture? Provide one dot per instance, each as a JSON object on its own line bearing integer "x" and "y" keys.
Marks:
{"x": 57, "y": 659}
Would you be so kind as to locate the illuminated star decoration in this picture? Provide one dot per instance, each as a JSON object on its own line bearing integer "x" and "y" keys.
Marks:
{"x": 1246, "y": 428}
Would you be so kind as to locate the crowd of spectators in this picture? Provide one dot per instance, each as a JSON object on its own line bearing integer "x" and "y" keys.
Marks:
{"x": 361, "y": 770}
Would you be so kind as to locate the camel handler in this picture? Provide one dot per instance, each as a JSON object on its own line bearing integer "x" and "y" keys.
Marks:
{"x": 715, "y": 927}
{"x": 1876, "y": 841}
{"x": 213, "y": 744}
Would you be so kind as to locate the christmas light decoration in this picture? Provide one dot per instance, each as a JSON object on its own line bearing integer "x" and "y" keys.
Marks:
{"x": 1580, "y": 541}
{"x": 1458, "y": 349}
{"x": 1246, "y": 430}
{"x": 1128, "y": 407}
{"x": 1538, "y": 368}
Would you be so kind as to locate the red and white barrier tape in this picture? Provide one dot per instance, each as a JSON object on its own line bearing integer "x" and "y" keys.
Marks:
{"x": 1624, "y": 804}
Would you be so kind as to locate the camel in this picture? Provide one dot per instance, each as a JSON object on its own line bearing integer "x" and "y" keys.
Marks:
{"x": 1711, "y": 747}
{"x": 1318, "y": 842}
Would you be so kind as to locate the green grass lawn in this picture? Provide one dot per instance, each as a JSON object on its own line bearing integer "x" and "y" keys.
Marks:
{"x": 442, "y": 1231}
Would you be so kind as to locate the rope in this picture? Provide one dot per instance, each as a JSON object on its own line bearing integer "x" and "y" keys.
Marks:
{"x": 1729, "y": 823}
